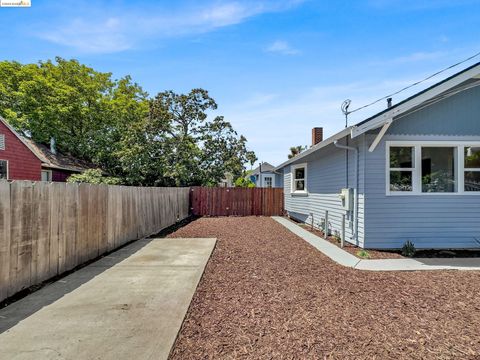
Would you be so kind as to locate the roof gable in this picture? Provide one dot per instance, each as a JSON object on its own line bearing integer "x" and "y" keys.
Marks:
{"x": 48, "y": 159}
{"x": 465, "y": 79}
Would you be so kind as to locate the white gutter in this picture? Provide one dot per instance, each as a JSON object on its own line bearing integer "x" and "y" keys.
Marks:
{"x": 355, "y": 189}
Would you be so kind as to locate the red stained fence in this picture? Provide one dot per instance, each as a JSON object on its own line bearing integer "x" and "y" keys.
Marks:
{"x": 206, "y": 201}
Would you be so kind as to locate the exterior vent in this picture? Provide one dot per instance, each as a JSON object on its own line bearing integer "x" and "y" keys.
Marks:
{"x": 317, "y": 135}
{"x": 2, "y": 142}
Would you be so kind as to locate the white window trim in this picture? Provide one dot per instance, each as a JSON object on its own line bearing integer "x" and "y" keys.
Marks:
{"x": 8, "y": 169}
{"x": 416, "y": 171}
{"x": 265, "y": 180}
{"x": 2, "y": 136}
{"x": 292, "y": 172}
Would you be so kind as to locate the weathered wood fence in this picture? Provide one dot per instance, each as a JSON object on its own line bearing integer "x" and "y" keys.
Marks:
{"x": 49, "y": 228}
{"x": 206, "y": 201}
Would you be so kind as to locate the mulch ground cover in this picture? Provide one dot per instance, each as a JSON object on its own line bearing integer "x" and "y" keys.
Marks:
{"x": 267, "y": 294}
{"x": 394, "y": 254}
{"x": 352, "y": 249}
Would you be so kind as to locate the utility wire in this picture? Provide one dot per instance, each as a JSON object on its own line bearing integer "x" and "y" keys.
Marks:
{"x": 414, "y": 84}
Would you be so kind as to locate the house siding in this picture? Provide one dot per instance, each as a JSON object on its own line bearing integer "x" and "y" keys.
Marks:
{"x": 277, "y": 180}
{"x": 326, "y": 176}
{"x": 457, "y": 115}
{"x": 60, "y": 175}
{"x": 430, "y": 221}
{"x": 22, "y": 163}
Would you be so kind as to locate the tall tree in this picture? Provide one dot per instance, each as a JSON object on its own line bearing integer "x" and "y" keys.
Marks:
{"x": 167, "y": 140}
{"x": 200, "y": 151}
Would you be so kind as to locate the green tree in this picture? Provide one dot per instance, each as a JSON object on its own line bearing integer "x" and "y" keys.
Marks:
{"x": 295, "y": 150}
{"x": 167, "y": 140}
{"x": 83, "y": 109}
{"x": 194, "y": 149}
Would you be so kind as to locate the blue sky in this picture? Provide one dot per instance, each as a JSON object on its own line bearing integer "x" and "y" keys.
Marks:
{"x": 276, "y": 68}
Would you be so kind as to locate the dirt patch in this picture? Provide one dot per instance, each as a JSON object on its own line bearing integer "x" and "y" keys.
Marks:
{"x": 268, "y": 294}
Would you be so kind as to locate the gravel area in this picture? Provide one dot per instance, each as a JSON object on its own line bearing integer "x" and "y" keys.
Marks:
{"x": 268, "y": 294}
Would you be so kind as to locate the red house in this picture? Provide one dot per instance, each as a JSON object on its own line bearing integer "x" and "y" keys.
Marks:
{"x": 23, "y": 159}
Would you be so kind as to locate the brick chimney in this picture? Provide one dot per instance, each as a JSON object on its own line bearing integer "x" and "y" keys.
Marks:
{"x": 317, "y": 135}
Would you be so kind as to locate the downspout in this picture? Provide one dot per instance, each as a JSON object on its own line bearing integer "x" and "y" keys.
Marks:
{"x": 355, "y": 189}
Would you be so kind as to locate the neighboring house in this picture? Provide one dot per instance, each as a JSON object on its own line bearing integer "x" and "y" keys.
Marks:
{"x": 412, "y": 172}
{"x": 264, "y": 176}
{"x": 23, "y": 159}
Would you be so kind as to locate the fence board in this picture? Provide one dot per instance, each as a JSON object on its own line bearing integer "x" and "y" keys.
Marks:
{"x": 49, "y": 228}
{"x": 236, "y": 201}
{"x": 4, "y": 238}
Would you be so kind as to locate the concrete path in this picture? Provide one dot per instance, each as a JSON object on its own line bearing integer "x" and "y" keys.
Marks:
{"x": 346, "y": 259}
{"x": 128, "y": 305}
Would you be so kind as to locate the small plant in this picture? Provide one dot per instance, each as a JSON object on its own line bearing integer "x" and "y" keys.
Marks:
{"x": 336, "y": 236}
{"x": 408, "y": 249}
{"x": 322, "y": 225}
{"x": 363, "y": 254}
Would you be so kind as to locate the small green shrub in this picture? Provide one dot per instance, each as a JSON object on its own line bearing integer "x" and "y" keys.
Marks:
{"x": 364, "y": 254}
{"x": 244, "y": 183}
{"x": 408, "y": 249}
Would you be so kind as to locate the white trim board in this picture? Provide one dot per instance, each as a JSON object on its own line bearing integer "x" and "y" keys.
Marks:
{"x": 416, "y": 170}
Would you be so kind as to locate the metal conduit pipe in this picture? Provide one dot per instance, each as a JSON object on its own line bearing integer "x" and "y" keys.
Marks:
{"x": 355, "y": 189}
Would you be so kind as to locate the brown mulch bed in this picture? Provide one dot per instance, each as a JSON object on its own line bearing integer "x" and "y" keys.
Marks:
{"x": 352, "y": 249}
{"x": 394, "y": 254}
{"x": 267, "y": 294}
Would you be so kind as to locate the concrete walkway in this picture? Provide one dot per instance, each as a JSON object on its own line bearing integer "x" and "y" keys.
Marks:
{"x": 128, "y": 305}
{"x": 346, "y": 259}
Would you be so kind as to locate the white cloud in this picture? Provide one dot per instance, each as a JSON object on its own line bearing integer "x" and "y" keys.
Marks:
{"x": 114, "y": 29}
{"x": 282, "y": 47}
{"x": 103, "y": 37}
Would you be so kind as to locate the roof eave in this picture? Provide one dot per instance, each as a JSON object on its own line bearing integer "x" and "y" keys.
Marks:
{"x": 415, "y": 100}
{"x": 9, "y": 127}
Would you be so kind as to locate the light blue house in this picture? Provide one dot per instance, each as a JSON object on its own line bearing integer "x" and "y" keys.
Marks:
{"x": 411, "y": 172}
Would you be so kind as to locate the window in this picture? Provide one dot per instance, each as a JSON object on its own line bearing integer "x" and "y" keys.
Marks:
{"x": 438, "y": 169}
{"x": 471, "y": 168}
{"x": 299, "y": 178}
{"x": 402, "y": 160}
{"x": 4, "y": 169}
{"x": 433, "y": 167}
{"x": 46, "y": 175}
{"x": 2, "y": 142}
{"x": 268, "y": 181}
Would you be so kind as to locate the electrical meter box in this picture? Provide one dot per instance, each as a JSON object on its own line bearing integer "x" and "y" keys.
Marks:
{"x": 346, "y": 196}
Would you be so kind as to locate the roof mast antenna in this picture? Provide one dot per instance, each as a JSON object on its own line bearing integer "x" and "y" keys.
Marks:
{"x": 345, "y": 111}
